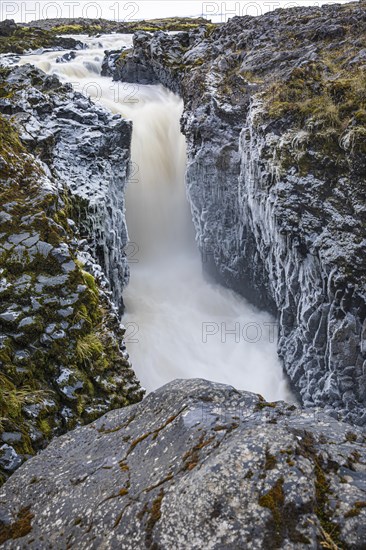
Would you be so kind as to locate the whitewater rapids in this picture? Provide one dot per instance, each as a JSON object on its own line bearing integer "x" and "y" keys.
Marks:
{"x": 179, "y": 325}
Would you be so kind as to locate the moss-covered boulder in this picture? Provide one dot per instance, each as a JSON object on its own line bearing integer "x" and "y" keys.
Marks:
{"x": 20, "y": 39}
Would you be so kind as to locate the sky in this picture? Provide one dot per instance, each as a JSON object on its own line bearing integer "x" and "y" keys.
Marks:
{"x": 121, "y": 10}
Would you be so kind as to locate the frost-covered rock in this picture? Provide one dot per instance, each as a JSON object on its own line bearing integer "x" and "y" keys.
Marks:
{"x": 85, "y": 148}
{"x": 194, "y": 465}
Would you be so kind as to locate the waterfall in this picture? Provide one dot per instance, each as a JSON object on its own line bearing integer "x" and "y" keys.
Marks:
{"x": 179, "y": 325}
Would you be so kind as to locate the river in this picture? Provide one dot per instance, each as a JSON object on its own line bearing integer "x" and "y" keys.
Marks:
{"x": 179, "y": 324}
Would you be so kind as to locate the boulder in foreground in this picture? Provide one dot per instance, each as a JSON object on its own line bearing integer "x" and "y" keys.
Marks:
{"x": 194, "y": 465}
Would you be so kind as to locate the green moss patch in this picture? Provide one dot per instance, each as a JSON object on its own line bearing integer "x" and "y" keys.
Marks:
{"x": 329, "y": 529}
{"x": 24, "y": 39}
{"x": 274, "y": 500}
{"x": 154, "y": 514}
{"x": 326, "y": 99}
{"x": 21, "y": 527}
{"x": 355, "y": 510}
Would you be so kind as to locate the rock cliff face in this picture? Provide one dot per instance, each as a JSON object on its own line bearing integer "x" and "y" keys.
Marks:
{"x": 89, "y": 151}
{"x": 275, "y": 121}
{"x": 63, "y": 360}
{"x": 194, "y": 465}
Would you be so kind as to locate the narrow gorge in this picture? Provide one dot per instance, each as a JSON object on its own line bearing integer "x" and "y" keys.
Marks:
{"x": 167, "y": 282}
{"x": 184, "y": 202}
{"x": 259, "y": 150}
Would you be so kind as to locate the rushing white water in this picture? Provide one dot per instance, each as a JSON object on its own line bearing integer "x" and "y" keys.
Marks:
{"x": 178, "y": 324}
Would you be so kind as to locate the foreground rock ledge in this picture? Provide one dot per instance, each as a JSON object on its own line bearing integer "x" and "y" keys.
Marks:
{"x": 195, "y": 465}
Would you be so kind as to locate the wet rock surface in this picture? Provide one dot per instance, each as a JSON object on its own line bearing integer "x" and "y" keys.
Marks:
{"x": 194, "y": 465}
{"x": 63, "y": 361}
{"x": 275, "y": 126}
{"x": 87, "y": 149}
{"x": 66, "y": 57}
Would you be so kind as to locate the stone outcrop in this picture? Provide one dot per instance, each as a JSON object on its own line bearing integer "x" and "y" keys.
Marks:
{"x": 7, "y": 27}
{"x": 155, "y": 59}
{"x": 275, "y": 125}
{"x": 194, "y": 465}
{"x": 63, "y": 361}
{"x": 89, "y": 151}
{"x": 20, "y": 39}
{"x": 81, "y": 25}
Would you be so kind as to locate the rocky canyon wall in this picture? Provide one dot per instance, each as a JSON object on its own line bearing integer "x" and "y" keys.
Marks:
{"x": 63, "y": 233}
{"x": 275, "y": 124}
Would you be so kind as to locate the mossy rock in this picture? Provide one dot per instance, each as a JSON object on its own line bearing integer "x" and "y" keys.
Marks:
{"x": 61, "y": 362}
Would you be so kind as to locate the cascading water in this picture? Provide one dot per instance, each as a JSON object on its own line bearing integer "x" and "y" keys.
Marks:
{"x": 178, "y": 324}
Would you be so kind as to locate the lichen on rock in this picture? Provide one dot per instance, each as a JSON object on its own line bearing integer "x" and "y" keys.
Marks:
{"x": 188, "y": 468}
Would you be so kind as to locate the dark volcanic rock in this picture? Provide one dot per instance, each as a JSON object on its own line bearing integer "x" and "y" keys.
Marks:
{"x": 86, "y": 148}
{"x": 67, "y": 43}
{"x": 153, "y": 59}
{"x": 194, "y": 465}
{"x": 109, "y": 62}
{"x": 20, "y": 39}
{"x": 275, "y": 125}
{"x": 63, "y": 167}
{"x": 7, "y": 27}
{"x": 69, "y": 56}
